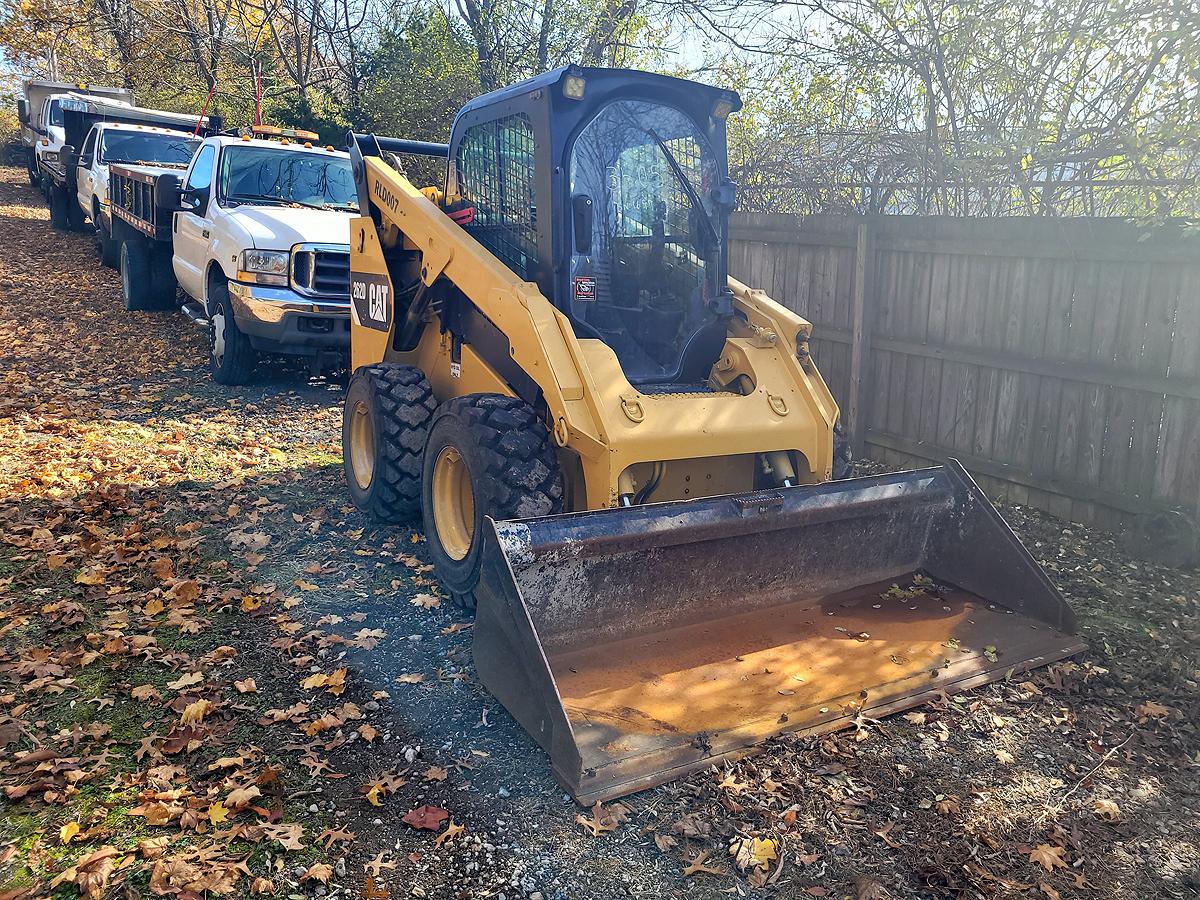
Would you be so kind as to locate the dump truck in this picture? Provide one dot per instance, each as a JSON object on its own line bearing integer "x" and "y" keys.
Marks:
{"x": 627, "y": 462}
{"x": 79, "y": 113}
{"x": 40, "y": 112}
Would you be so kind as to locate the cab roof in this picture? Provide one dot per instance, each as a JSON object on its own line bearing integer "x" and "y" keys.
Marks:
{"x": 129, "y": 126}
{"x": 229, "y": 140}
{"x": 552, "y": 79}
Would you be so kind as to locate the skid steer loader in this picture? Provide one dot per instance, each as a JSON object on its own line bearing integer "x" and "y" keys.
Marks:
{"x": 628, "y": 462}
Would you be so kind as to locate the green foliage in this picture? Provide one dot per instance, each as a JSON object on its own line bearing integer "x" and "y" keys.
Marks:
{"x": 422, "y": 72}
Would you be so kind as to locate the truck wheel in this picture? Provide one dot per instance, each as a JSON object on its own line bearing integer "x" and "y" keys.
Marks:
{"x": 136, "y": 287}
{"x": 60, "y": 209}
{"x": 108, "y": 249}
{"x": 843, "y": 457}
{"x": 385, "y": 424}
{"x": 231, "y": 359}
{"x": 76, "y": 220}
{"x": 487, "y": 455}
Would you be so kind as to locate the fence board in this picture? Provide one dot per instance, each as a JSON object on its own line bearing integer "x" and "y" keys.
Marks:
{"x": 1061, "y": 358}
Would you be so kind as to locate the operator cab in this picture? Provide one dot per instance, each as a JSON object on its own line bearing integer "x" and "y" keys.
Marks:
{"x": 623, "y": 176}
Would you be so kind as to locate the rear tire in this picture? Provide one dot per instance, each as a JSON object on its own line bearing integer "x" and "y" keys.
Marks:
{"x": 136, "y": 288}
{"x": 231, "y": 358}
{"x": 109, "y": 250}
{"x": 60, "y": 210}
{"x": 76, "y": 220}
{"x": 487, "y": 455}
{"x": 385, "y": 424}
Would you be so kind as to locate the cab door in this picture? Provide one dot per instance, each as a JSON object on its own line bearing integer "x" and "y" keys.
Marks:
{"x": 85, "y": 173}
{"x": 192, "y": 227}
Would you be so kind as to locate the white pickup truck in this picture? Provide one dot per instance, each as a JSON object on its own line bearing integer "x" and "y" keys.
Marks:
{"x": 258, "y": 239}
{"x": 154, "y": 150}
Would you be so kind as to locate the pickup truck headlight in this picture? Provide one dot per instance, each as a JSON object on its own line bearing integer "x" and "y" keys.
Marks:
{"x": 264, "y": 266}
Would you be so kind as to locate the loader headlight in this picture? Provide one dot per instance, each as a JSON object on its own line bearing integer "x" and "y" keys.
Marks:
{"x": 574, "y": 86}
{"x": 264, "y": 266}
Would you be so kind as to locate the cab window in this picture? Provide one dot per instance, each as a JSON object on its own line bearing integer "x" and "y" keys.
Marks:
{"x": 495, "y": 172}
{"x": 89, "y": 146}
{"x": 200, "y": 177}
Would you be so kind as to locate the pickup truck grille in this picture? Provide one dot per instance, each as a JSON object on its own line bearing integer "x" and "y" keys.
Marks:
{"x": 321, "y": 272}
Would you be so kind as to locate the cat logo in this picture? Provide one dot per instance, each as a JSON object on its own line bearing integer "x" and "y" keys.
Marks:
{"x": 371, "y": 300}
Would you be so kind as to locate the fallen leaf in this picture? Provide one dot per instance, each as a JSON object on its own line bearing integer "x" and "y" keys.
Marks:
{"x": 367, "y": 732}
{"x": 1152, "y": 710}
{"x": 1106, "y": 809}
{"x": 753, "y": 852}
{"x": 186, "y": 681}
{"x": 428, "y": 818}
{"x": 1048, "y": 857}
{"x": 697, "y": 866}
{"x": 603, "y": 818}
{"x": 426, "y": 601}
{"x": 67, "y": 832}
{"x": 217, "y": 813}
{"x": 318, "y": 872}
{"x": 452, "y": 831}
{"x": 246, "y": 686}
{"x": 436, "y": 773}
{"x": 194, "y": 713}
{"x": 240, "y": 797}
{"x": 380, "y": 862}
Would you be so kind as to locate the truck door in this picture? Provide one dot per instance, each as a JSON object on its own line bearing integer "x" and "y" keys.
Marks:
{"x": 85, "y": 174}
{"x": 192, "y": 227}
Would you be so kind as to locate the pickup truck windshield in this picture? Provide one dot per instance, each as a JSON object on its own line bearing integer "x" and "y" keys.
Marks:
{"x": 286, "y": 177}
{"x": 147, "y": 147}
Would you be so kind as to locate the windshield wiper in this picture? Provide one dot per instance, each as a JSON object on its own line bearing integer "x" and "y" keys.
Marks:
{"x": 267, "y": 198}
{"x": 693, "y": 197}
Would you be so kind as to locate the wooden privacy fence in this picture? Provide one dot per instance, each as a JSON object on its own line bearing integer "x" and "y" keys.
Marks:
{"x": 1058, "y": 360}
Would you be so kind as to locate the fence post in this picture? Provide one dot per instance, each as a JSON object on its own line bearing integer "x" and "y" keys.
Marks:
{"x": 862, "y": 308}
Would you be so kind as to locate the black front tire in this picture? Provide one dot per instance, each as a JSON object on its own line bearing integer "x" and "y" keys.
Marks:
{"x": 511, "y": 467}
{"x": 385, "y": 424}
{"x": 231, "y": 358}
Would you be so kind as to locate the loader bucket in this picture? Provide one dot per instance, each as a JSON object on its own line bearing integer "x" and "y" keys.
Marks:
{"x": 637, "y": 645}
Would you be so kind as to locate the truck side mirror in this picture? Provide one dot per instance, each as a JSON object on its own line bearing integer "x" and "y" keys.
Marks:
{"x": 171, "y": 196}
{"x": 23, "y": 111}
{"x": 581, "y": 217}
{"x": 194, "y": 199}
{"x": 68, "y": 156}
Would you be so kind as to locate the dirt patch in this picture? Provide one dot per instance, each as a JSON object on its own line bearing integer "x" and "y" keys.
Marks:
{"x": 126, "y": 473}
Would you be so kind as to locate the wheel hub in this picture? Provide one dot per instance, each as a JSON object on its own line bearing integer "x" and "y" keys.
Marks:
{"x": 218, "y": 337}
{"x": 453, "y": 503}
{"x": 362, "y": 445}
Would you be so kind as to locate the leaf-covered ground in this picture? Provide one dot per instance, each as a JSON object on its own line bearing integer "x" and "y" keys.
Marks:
{"x": 218, "y": 679}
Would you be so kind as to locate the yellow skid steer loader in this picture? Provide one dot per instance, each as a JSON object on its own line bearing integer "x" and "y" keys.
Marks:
{"x": 627, "y": 461}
